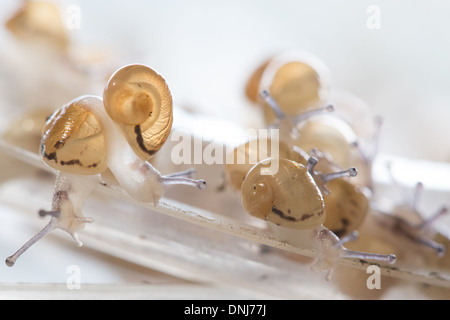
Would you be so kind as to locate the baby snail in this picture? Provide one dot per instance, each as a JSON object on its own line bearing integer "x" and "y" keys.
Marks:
{"x": 88, "y": 136}
{"x": 333, "y": 143}
{"x": 245, "y": 156}
{"x": 298, "y": 81}
{"x": 292, "y": 203}
{"x": 407, "y": 220}
{"x": 41, "y": 21}
{"x": 347, "y": 205}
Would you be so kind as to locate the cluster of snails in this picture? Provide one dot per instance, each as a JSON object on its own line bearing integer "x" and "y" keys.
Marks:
{"x": 91, "y": 136}
{"x": 310, "y": 197}
{"x": 311, "y": 190}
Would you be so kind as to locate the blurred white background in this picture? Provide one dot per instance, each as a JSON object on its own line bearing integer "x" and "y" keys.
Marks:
{"x": 206, "y": 50}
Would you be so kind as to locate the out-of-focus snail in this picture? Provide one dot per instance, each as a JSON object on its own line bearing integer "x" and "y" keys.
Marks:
{"x": 139, "y": 101}
{"x": 348, "y": 206}
{"x": 245, "y": 156}
{"x": 288, "y": 197}
{"x": 43, "y": 68}
{"x": 406, "y": 219}
{"x": 297, "y": 80}
{"x": 81, "y": 141}
{"x": 346, "y": 203}
{"x": 321, "y": 130}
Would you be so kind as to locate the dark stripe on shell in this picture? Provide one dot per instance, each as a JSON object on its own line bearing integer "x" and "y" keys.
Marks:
{"x": 49, "y": 157}
{"x": 282, "y": 215}
{"x": 140, "y": 141}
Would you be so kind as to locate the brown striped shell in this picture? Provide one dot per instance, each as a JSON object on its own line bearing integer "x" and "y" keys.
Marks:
{"x": 73, "y": 139}
{"x": 252, "y": 85}
{"x": 139, "y": 101}
{"x": 347, "y": 207}
{"x": 288, "y": 197}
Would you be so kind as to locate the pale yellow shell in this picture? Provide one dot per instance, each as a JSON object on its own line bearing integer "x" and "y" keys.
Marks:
{"x": 73, "y": 139}
{"x": 253, "y": 83}
{"x": 295, "y": 87}
{"x": 139, "y": 101}
{"x": 297, "y": 81}
{"x": 41, "y": 21}
{"x": 330, "y": 135}
{"x": 288, "y": 197}
{"x": 335, "y": 139}
{"x": 347, "y": 207}
{"x": 245, "y": 156}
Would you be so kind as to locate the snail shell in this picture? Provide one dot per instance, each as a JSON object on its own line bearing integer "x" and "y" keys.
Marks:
{"x": 330, "y": 135}
{"x": 41, "y": 21}
{"x": 73, "y": 139}
{"x": 247, "y": 155}
{"x": 252, "y": 85}
{"x": 288, "y": 197}
{"x": 139, "y": 101}
{"x": 347, "y": 207}
{"x": 298, "y": 81}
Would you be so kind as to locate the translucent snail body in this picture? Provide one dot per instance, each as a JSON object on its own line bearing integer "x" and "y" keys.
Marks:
{"x": 292, "y": 201}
